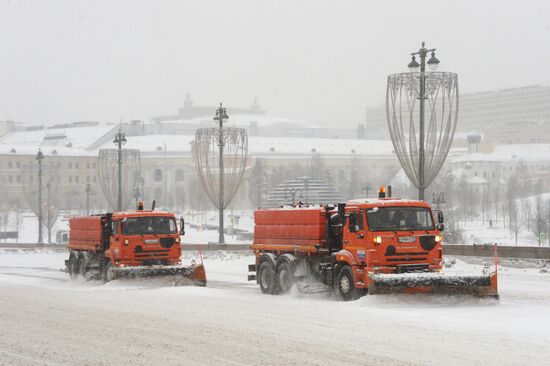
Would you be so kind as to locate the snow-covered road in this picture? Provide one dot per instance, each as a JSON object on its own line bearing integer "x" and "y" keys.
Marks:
{"x": 47, "y": 319}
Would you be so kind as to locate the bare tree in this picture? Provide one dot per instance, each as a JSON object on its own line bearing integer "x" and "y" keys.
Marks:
{"x": 511, "y": 195}
{"x": 257, "y": 183}
{"x": 108, "y": 163}
{"x": 48, "y": 207}
{"x": 515, "y": 220}
{"x": 453, "y": 233}
{"x": 539, "y": 219}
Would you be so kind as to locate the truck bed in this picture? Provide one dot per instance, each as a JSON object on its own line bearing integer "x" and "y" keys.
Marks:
{"x": 277, "y": 229}
{"x": 86, "y": 233}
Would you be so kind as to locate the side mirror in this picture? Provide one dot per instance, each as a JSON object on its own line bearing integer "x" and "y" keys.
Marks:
{"x": 440, "y": 217}
{"x": 441, "y": 227}
{"x": 182, "y": 226}
{"x": 353, "y": 228}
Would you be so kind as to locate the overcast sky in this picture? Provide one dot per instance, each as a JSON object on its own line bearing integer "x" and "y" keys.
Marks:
{"x": 323, "y": 61}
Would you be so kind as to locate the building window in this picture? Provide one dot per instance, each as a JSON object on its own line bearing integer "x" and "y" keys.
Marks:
{"x": 475, "y": 174}
{"x": 18, "y": 164}
{"x": 70, "y": 165}
{"x": 88, "y": 179}
{"x": 157, "y": 175}
{"x": 10, "y": 164}
{"x": 70, "y": 178}
{"x": 10, "y": 179}
{"x": 87, "y": 165}
{"x": 93, "y": 165}
{"x": 76, "y": 165}
{"x": 18, "y": 179}
{"x": 76, "y": 179}
{"x": 493, "y": 174}
{"x": 94, "y": 179}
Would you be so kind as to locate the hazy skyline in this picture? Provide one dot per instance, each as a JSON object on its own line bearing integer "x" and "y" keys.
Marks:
{"x": 323, "y": 61}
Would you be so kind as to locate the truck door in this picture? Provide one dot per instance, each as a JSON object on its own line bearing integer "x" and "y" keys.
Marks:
{"x": 354, "y": 232}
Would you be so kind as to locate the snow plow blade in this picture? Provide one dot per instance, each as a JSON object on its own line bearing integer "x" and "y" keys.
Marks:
{"x": 193, "y": 275}
{"x": 431, "y": 283}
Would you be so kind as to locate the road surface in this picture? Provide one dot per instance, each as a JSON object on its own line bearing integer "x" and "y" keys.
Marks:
{"x": 47, "y": 319}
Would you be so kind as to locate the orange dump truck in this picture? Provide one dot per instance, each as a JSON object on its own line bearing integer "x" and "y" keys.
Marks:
{"x": 364, "y": 246}
{"x": 128, "y": 244}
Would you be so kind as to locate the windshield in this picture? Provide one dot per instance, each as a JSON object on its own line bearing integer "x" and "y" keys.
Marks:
{"x": 149, "y": 225}
{"x": 399, "y": 218}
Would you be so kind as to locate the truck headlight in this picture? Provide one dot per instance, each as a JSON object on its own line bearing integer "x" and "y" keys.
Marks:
{"x": 438, "y": 238}
{"x": 377, "y": 240}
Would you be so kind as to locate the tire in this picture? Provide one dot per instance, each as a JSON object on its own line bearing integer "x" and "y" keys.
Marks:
{"x": 345, "y": 286}
{"x": 266, "y": 278}
{"x": 72, "y": 267}
{"x": 82, "y": 267}
{"x": 284, "y": 277}
{"x": 107, "y": 272}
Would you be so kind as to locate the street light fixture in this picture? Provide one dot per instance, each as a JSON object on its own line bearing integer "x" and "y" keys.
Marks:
{"x": 39, "y": 157}
{"x": 413, "y": 65}
{"x": 433, "y": 62}
{"x": 120, "y": 139}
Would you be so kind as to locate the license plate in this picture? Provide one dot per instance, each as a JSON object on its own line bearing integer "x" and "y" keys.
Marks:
{"x": 407, "y": 239}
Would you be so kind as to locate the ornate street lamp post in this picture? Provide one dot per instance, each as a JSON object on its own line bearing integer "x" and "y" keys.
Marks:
{"x": 221, "y": 115}
{"x": 120, "y": 139}
{"x": 39, "y": 157}
{"x": 433, "y": 63}
{"x": 220, "y": 178}
{"x": 422, "y": 112}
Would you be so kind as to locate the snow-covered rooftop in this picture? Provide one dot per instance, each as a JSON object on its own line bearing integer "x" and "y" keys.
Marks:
{"x": 64, "y": 141}
{"x": 531, "y": 152}
{"x": 244, "y": 120}
{"x": 266, "y": 145}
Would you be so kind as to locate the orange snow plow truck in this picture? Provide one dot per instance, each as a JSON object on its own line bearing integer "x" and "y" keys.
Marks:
{"x": 129, "y": 244}
{"x": 384, "y": 245}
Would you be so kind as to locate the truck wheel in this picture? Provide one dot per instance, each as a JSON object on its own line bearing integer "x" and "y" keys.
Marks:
{"x": 82, "y": 267}
{"x": 73, "y": 269}
{"x": 266, "y": 278}
{"x": 345, "y": 286}
{"x": 285, "y": 277}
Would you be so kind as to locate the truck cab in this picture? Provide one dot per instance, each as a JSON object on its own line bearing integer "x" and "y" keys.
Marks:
{"x": 390, "y": 235}
{"x": 141, "y": 238}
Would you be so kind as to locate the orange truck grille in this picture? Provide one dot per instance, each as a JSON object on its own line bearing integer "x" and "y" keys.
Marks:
{"x": 153, "y": 254}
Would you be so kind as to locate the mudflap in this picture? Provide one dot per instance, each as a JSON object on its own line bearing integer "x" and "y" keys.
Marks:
{"x": 432, "y": 283}
{"x": 179, "y": 275}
